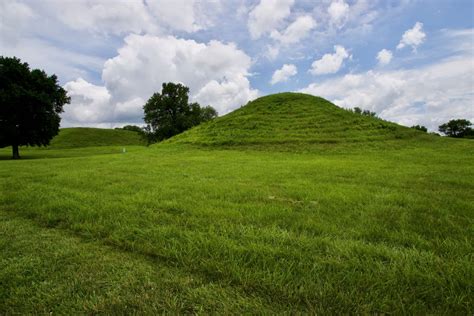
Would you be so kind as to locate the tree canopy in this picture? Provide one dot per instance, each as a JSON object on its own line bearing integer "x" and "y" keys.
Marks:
{"x": 358, "y": 110}
{"x": 420, "y": 128}
{"x": 133, "y": 128}
{"x": 458, "y": 128}
{"x": 30, "y": 103}
{"x": 168, "y": 113}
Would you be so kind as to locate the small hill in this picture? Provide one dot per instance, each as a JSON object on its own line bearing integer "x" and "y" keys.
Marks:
{"x": 90, "y": 137}
{"x": 292, "y": 118}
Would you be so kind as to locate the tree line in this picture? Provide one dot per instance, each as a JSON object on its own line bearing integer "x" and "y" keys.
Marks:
{"x": 458, "y": 128}
{"x": 31, "y": 102}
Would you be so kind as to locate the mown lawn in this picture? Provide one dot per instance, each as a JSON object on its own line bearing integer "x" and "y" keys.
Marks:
{"x": 185, "y": 229}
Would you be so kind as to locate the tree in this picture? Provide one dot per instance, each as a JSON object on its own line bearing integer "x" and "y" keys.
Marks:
{"x": 133, "y": 128}
{"x": 358, "y": 110}
{"x": 200, "y": 114}
{"x": 369, "y": 113}
{"x": 30, "y": 103}
{"x": 169, "y": 113}
{"x": 420, "y": 128}
{"x": 457, "y": 128}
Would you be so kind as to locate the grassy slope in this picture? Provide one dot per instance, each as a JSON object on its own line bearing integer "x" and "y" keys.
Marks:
{"x": 293, "y": 118}
{"x": 98, "y": 141}
{"x": 94, "y": 137}
{"x": 189, "y": 229}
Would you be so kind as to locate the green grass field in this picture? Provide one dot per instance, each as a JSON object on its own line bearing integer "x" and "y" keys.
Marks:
{"x": 327, "y": 212}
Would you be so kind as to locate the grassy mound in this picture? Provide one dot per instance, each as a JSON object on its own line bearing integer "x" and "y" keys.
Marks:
{"x": 78, "y": 137}
{"x": 289, "y": 118}
{"x": 171, "y": 229}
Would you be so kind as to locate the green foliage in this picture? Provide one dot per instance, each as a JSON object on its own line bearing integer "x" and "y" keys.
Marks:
{"x": 358, "y": 110}
{"x": 169, "y": 113}
{"x": 420, "y": 128}
{"x": 459, "y": 128}
{"x": 134, "y": 128}
{"x": 30, "y": 103}
{"x": 369, "y": 113}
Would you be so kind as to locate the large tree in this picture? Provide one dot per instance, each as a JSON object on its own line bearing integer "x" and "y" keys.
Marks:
{"x": 168, "y": 113}
{"x": 457, "y": 128}
{"x": 30, "y": 103}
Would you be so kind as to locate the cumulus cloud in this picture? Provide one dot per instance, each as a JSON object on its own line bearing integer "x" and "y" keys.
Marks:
{"x": 413, "y": 37}
{"x": 338, "y": 12}
{"x": 330, "y": 63}
{"x": 226, "y": 95}
{"x": 429, "y": 96}
{"x": 295, "y": 31}
{"x": 144, "y": 62}
{"x": 89, "y": 103}
{"x": 267, "y": 16}
{"x": 384, "y": 57}
{"x": 216, "y": 74}
{"x": 128, "y": 111}
{"x": 283, "y": 74}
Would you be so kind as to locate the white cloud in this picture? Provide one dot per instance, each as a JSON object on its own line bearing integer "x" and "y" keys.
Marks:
{"x": 178, "y": 14}
{"x": 216, "y": 74}
{"x": 429, "y": 96}
{"x": 338, "y": 12}
{"x": 330, "y": 63}
{"x": 283, "y": 74}
{"x": 272, "y": 52}
{"x": 413, "y": 37}
{"x": 14, "y": 18}
{"x": 89, "y": 103}
{"x": 147, "y": 61}
{"x": 226, "y": 95}
{"x": 384, "y": 57}
{"x": 129, "y": 16}
{"x": 184, "y": 15}
{"x": 267, "y": 16}
{"x": 338, "y": 18}
{"x": 101, "y": 17}
{"x": 129, "y": 110}
{"x": 65, "y": 63}
{"x": 295, "y": 31}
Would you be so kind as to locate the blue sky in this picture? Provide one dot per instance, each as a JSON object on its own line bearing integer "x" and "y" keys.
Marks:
{"x": 411, "y": 61}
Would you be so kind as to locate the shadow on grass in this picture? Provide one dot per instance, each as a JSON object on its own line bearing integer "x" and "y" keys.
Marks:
{"x": 4, "y": 157}
{"x": 51, "y": 156}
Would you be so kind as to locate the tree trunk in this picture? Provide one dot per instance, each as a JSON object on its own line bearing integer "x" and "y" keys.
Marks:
{"x": 16, "y": 153}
